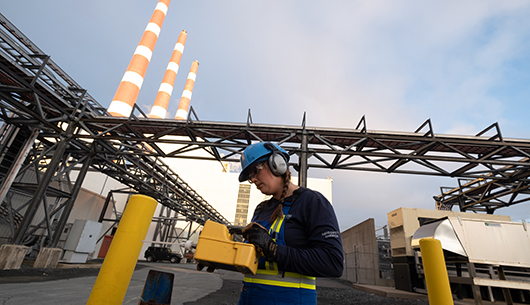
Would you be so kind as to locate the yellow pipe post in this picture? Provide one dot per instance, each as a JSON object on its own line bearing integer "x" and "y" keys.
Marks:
{"x": 117, "y": 269}
{"x": 436, "y": 278}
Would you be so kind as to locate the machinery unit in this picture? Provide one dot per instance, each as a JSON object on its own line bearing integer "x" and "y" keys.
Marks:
{"x": 488, "y": 255}
{"x": 216, "y": 248}
{"x": 485, "y": 242}
{"x": 403, "y": 222}
{"x": 81, "y": 240}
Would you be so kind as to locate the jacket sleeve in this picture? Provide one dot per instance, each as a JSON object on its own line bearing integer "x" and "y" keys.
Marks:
{"x": 314, "y": 226}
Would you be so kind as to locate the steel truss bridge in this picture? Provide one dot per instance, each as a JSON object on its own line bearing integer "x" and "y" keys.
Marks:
{"x": 52, "y": 126}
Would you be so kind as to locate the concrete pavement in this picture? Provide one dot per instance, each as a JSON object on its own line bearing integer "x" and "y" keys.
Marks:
{"x": 192, "y": 285}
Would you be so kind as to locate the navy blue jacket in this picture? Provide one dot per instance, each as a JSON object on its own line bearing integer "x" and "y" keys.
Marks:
{"x": 313, "y": 243}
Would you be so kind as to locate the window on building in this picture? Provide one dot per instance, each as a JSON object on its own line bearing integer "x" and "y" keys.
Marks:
{"x": 243, "y": 198}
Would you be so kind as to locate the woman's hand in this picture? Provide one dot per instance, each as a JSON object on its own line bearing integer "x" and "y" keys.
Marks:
{"x": 257, "y": 235}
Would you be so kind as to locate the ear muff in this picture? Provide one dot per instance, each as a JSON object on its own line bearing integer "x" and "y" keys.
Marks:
{"x": 277, "y": 161}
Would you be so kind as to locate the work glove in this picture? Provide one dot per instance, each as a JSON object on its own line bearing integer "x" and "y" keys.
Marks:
{"x": 201, "y": 266}
{"x": 257, "y": 235}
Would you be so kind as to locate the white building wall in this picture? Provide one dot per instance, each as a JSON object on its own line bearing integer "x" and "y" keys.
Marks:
{"x": 220, "y": 189}
{"x": 208, "y": 178}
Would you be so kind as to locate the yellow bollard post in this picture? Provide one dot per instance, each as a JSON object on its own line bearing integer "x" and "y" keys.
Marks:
{"x": 436, "y": 278}
{"x": 117, "y": 269}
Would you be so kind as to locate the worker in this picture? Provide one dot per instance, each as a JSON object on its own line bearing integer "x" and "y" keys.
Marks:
{"x": 295, "y": 231}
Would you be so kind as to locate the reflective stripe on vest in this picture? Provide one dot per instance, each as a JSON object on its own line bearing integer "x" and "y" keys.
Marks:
{"x": 289, "y": 279}
{"x": 276, "y": 226}
{"x": 274, "y": 277}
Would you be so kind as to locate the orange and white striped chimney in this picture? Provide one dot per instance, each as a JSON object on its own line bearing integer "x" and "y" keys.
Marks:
{"x": 159, "y": 108}
{"x": 182, "y": 111}
{"x": 127, "y": 93}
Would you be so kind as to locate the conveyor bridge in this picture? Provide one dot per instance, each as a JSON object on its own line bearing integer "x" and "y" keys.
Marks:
{"x": 51, "y": 125}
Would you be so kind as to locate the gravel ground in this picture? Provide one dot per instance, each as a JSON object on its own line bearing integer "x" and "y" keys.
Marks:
{"x": 27, "y": 274}
{"x": 342, "y": 293}
{"x": 229, "y": 294}
{"x": 343, "y": 296}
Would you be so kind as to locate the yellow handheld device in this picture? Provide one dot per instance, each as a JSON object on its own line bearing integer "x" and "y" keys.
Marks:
{"x": 217, "y": 249}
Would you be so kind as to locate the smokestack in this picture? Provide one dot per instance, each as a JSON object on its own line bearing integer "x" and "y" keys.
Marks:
{"x": 127, "y": 93}
{"x": 159, "y": 108}
{"x": 182, "y": 111}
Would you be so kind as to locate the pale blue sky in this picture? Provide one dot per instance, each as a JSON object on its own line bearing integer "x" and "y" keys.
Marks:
{"x": 464, "y": 65}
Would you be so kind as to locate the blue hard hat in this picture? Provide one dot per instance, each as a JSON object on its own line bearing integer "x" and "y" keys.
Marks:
{"x": 256, "y": 153}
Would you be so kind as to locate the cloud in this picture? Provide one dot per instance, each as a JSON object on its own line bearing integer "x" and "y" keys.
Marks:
{"x": 398, "y": 64}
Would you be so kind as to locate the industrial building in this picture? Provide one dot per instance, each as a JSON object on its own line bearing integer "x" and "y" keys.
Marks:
{"x": 217, "y": 183}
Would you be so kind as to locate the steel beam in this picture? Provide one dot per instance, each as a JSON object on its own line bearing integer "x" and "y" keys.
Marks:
{"x": 302, "y": 161}
{"x": 35, "y": 91}
{"x": 41, "y": 189}
{"x": 70, "y": 202}
{"x": 17, "y": 164}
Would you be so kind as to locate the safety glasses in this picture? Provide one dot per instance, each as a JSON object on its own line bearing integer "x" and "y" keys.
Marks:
{"x": 254, "y": 171}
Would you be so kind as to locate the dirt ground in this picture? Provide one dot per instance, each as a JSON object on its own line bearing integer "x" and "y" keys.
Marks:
{"x": 346, "y": 295}
{"x": 27, "y": 273}
{"x": 336, "y": 292}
